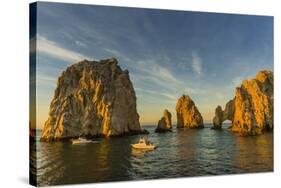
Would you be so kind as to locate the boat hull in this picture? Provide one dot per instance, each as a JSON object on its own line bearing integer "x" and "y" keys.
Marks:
{"x": 78, "y": 141}
{"x": 140, "y": 147}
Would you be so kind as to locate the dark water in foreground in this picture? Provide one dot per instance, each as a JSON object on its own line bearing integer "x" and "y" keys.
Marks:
{"x": 180, "y": 153}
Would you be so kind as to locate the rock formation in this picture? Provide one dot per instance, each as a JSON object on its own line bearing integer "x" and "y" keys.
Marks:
{"x": 222, "y": 115}
{"x": 188, "y": 115}
{"x": 165, "y": 123}
{"x": 251, "y": 110}
{"x": 218, "y": 119}
{"x": 92, "y": 99}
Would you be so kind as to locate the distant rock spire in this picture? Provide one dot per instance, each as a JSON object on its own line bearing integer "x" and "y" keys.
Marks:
{"x": 165, "y": 123}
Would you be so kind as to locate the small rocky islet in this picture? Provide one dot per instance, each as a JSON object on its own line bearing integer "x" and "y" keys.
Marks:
{"x": 165, "y": 123}
{"x": 97, "y": 99}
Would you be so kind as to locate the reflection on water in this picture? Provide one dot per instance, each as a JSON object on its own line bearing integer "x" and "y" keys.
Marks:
{"x": 50, "y": 162}
{"x": 259, "y": 155}
{"x": 139, "y": 153}
{"x": 179, "y": 153}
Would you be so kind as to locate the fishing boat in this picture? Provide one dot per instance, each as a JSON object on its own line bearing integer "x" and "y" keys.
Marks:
{"x": 80, "y": 141}
{"x": 144, "y": 144}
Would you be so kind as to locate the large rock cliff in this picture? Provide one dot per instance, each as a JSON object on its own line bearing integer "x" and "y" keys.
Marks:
{"x": 251, "y": 110}
{"x": 188, "y": 115}
{"x": 92, "y": 99}
{"x": 165, "y": 123}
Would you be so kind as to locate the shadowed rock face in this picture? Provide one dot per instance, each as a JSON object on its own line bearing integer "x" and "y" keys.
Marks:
{"x": 165, "y": 123}
{"x": 218, "y": 119}
{"x": 188, "y": 115}
{"x": 92, "y": 99}
{"x": 251, "y": 110}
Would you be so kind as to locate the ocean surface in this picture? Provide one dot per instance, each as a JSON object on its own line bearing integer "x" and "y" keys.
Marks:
{"x": 181, "y": 153}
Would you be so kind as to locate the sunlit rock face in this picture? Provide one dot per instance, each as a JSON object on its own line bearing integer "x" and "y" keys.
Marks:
{"x": 251, "y": 110}
{"x": 222, "y": 115}
{"x": 188, "y": 116}
{"x": 165, "y": 123}
{"x": 92, "y": 99}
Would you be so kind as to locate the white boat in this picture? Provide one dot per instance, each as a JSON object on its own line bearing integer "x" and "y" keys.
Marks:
{"x": 144, "y": 144}
{"x": 80, "y": 141}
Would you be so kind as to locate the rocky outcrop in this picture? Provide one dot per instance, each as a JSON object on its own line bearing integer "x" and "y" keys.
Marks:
{"x": 165, "y": 123}
{"x": 218, "y": 119}
{"x": 188, "y": 115}
{"x": 251, "y": 110}
{"x": 222, "y": 115}
{"x": 92, "y": 99}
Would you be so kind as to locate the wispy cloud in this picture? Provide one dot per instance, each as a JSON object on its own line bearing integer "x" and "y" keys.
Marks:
{"x": 53, "y": 49}
{"x": 196, "y": 63}
{"x": 149, "y": 71}
{"x": 80, "y": 44}
{"x": 118, "y": 54}
{"x": 156, "y": 72}
{"x": 166, "y": 87}
{"x": 42, "y": 79}
{"x": 153, "y": 92}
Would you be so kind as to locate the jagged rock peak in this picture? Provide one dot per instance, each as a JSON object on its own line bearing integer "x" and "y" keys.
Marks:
{"x": 92, "y": 98}
{"x": 165, "y": 123}
{"x": 188, "y": 116}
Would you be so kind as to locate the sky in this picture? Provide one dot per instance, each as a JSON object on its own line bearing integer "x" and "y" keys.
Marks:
{"x": 168, "y": 53}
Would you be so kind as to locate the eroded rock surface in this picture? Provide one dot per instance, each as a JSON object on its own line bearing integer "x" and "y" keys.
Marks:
{"x": 165, "y": 123}
{"x": 92, "y": 99}
{"x": 251, "y": 110}
{"x": 218, "y": 119}
{"x": 222, "y": 115}
{"x": 188, "y": 116}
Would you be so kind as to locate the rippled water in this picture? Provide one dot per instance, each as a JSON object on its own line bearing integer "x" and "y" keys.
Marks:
{"x": 179, "y": 153}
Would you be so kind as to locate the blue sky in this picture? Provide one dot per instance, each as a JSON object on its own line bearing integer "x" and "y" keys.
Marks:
{"x": 167, "y": 53}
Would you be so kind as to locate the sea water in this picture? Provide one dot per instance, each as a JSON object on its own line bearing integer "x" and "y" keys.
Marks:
{"x": 181, "y": 153}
